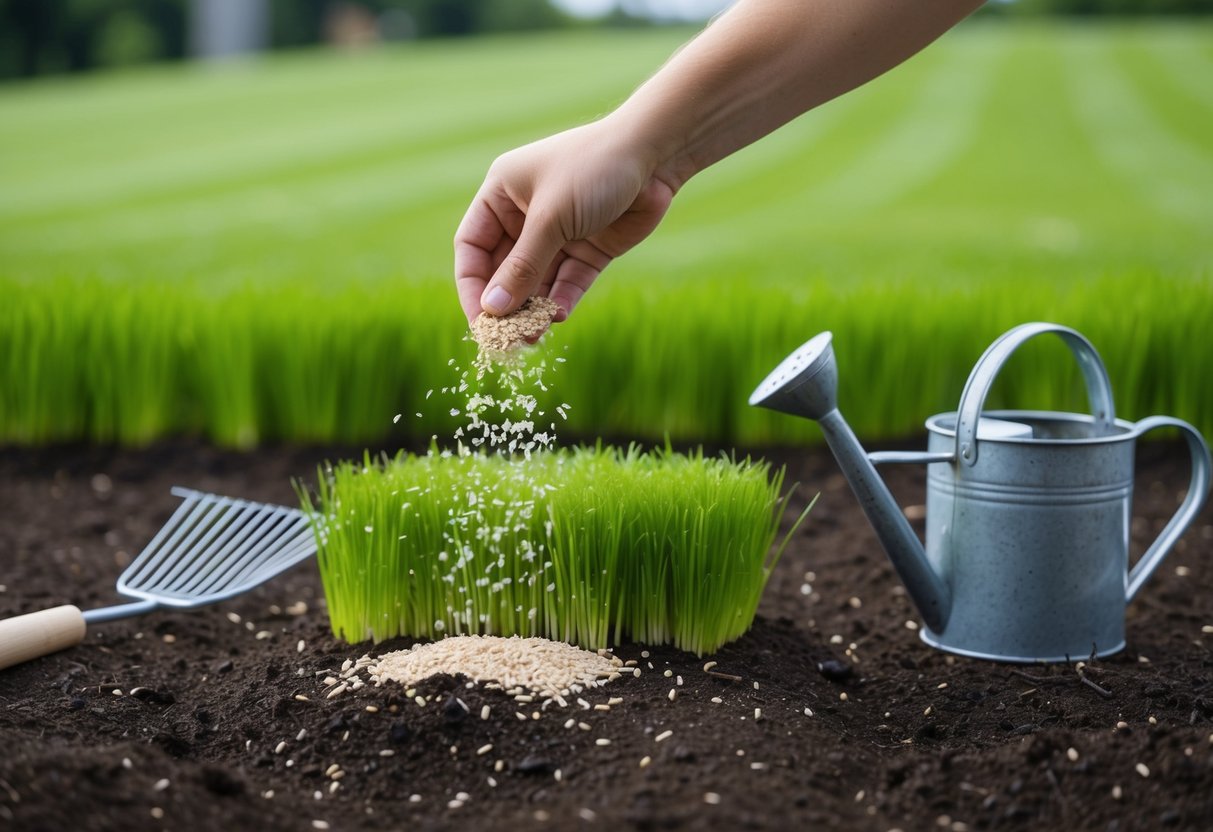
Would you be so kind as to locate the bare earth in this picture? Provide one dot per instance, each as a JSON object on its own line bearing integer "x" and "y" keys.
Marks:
{"x": 175, "y": 720}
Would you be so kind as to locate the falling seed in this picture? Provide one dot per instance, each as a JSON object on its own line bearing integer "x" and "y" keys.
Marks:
{"x": 1142, "y": 769}
{"x": 757, "y": 714}
{"x": 711, "y": 798}
{"x": 320, "y": 824}
{"x": 396, "y": 418}
{"x": 557, "y": 775}
{"x": 1207, "y": 629}
{"x": 387, "y": 752}
{"x": 758, "y": 766}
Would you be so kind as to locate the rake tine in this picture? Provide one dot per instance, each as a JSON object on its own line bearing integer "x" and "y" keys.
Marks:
{"x": 269, "y": 552}
{"x": 245, "y": 527}
{"x": 240, "y": 522}
{"x": 148, "y": 560}
{"x": 235, "y": 562}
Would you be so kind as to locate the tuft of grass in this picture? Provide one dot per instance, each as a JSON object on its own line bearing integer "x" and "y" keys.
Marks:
{"x": 589, "y": 546}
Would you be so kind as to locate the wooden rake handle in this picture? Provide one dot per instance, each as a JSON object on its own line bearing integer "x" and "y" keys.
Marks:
{"x": 39, "y": 634}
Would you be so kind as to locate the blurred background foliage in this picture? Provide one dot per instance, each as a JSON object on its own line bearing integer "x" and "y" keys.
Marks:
{"x": 40, "y": 37}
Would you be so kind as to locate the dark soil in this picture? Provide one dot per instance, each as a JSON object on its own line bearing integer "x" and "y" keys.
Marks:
{"x": 172, "y": 720}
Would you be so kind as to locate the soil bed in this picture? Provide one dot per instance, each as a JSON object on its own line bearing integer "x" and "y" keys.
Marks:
{"x": 216, "y": 719}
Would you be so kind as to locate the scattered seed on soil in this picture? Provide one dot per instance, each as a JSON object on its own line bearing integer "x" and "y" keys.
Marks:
{"x": 711, "y": 798}
{"x": 644, "y": 761}
{"x": 602, "y": 741}
{"x": 536, "y": 664}
{"x": 717, "y": 700}
{"x": 1117, "y": 792}
{"x": 163, "y": 784}
{"x": 1072, "y": 755}
{"x": 484, "y": 749}
{"x": 664, "y": 735}
{"x": 280, "y": 747}
{"x": 757, "y": 713}
{"x": 673, "y": 694}
{"x": 708, "y": 666}
{"x": 1142, "y": 769}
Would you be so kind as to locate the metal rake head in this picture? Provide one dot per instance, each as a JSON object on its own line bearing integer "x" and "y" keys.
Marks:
{"x": 213, "y": 548}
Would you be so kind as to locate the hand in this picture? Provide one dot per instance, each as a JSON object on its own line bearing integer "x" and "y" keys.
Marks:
{"x": 551, "y": 216}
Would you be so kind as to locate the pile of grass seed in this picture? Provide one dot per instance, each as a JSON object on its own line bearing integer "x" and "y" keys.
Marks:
{"x": 589, "y": 546}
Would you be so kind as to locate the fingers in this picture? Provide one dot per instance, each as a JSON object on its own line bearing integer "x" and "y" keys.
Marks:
{"x": 524, "y": 268}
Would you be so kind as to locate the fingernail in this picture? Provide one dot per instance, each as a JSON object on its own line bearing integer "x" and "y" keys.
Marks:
{"x": 561, "y": 316}
{"x": 496, "y": 299}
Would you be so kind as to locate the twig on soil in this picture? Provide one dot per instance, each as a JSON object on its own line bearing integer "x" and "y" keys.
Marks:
{"x": 1104, "y": 692}
{"x": 728, "y": 677}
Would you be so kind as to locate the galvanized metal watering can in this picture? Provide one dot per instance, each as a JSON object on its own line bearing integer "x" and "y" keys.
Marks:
{"x": 1027, "y": 549}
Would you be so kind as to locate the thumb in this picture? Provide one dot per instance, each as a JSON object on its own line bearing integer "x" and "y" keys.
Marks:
{"x": 523, "y": 268}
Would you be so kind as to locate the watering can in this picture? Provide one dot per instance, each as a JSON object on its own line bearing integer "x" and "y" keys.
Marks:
{"x": 1027, "y": 512}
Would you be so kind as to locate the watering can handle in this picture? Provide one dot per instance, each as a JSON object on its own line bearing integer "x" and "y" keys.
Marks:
{"x": 972, "y": 400}
{"x": 1198, "y": 492}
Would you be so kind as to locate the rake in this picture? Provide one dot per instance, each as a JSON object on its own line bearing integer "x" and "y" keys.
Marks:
{"x": 211, "y": 549}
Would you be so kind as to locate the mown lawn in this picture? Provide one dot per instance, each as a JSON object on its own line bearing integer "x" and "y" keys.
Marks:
{"x": 263, "y": 251}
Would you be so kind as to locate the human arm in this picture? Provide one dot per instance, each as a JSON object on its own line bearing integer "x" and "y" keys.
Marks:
{"x": 551, "y": 215}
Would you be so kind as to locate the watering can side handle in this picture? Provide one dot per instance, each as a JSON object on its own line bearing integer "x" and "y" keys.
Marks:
{"x": 981, "y": 379}
{"x": 909, "y": 457}
{"x": 1198, "y": 493}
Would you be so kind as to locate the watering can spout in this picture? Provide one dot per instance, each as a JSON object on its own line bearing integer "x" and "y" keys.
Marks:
{"x": 805, "y": 384}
